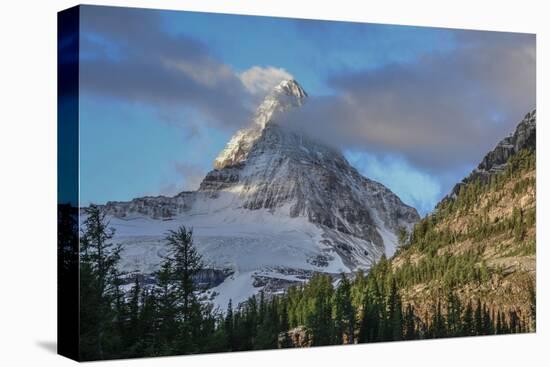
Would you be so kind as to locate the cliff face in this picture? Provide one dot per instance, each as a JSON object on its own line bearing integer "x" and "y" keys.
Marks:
{"x": 268, "y": 167}
{"x": 284, "y": 171}
{"x": 264, "y": 166}
{"x": 524, "y": 137}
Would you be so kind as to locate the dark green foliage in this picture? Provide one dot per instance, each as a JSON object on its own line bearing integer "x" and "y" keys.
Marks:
{"x": 186, "y": 262}
{"x": 488, "y": 322}
{"x": 438, "y": 327}
{"x": 373, "y": 310}
{"x": 343, "y": 313}
{"x": 454, "y": 316}
{"x": 381, "y": 317}
{"x": 468, "y": 326}
{"x": 402, "y": 238}
{"x": 394, "y": 324}
{"x": 410, "y": 324}
{"x": 317, "y": 309}
{"x": 269, "y": 323}
{"x": 183, "y": 310}
{"x": 166, "y": 309}
{"x": 478, "y": 319}
{"x": 99, "y": 288}
{"x": 163, "y": 319}
{"x": 229, "y": 327}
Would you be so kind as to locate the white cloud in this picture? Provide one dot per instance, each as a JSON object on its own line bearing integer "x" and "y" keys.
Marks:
{"x": 192, "y": 174}
{"x": 208, "y": 74}
{"x": 260, "y": 80}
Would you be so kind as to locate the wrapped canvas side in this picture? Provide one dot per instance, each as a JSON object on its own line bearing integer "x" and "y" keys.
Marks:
{"x": 67, "y": 181}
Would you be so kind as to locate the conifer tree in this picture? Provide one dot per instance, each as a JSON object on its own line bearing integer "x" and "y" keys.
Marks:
{"x": 370, "y": 327}
{"x": 499, "y": 327}
{"x": 468, "y": 326}
{"x": 318, "y": 309}
{"x": 454, "y": 315}
{"x": 268, "y": 331}
{"x": 395, "y": 314}
{"x": 487, "y": 322}
{"x": 358, "y": 290}
{"x": 283, "y": 315}
{"x": 99, "y": 274}
{"x": 438, "y": 329}
{"x": 344, "y": 314}
{"x": 119, "y": 339}
{"x": 478, "y": 319}
{"x": 185, "y": 263}
{"x": 134, "y": 329}
{"x": 402, "y": 238}
{"x": 166, "y": 310}
{"x": 228, "y": 324}
{"x": 410, "y": 324}
{"x": 98, "y": 251}
{"x": 149, "y": 321}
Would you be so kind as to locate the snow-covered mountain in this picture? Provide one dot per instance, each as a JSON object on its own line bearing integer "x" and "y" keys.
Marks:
{"x": 277, "y": 207}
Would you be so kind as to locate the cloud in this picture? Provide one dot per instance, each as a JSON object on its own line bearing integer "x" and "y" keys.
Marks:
{"x": 443, "y": 110}
{"x": 190, "y": 178}
{"x": 193, "y": 175}
{"x": 127, "y": 56}
{"x": 260, "y": 80}
{"x": 414, "y": 187}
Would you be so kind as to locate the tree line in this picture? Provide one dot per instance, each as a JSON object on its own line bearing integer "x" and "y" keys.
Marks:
{"x": 168, "y": 317}
{"x": 164, "y": 319}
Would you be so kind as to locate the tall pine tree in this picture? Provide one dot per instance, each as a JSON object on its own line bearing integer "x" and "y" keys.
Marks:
{"x": 99, "y": 274}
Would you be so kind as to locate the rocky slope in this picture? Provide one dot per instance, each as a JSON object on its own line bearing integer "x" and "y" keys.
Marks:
{"x": 276, "y": 207}
{"x": 268, "y": 167}
{"x": 524, "y": 137}
{"x": 481, "y": 240}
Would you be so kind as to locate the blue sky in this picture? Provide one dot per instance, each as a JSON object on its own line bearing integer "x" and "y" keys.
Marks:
{"x": 415, "y": 108}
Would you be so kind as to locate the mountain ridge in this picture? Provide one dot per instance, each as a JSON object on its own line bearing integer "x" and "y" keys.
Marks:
{"x": 523, "y": 137}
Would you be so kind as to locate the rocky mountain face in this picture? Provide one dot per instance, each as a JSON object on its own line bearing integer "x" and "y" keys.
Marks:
{"x": 288, "y": 94}
{"x": 268, "y": 168}
{"x": 155, "y": 207}
{"x": 524, "y": 137}
{"x": 277, "y": 205}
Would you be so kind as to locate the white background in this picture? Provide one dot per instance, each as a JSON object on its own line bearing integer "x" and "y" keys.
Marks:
{"x": 28, "y": 182}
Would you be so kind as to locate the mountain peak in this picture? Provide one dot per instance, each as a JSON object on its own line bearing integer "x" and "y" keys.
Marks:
{"x": 290, "y": 87}
{"x": 284, "y": 96}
